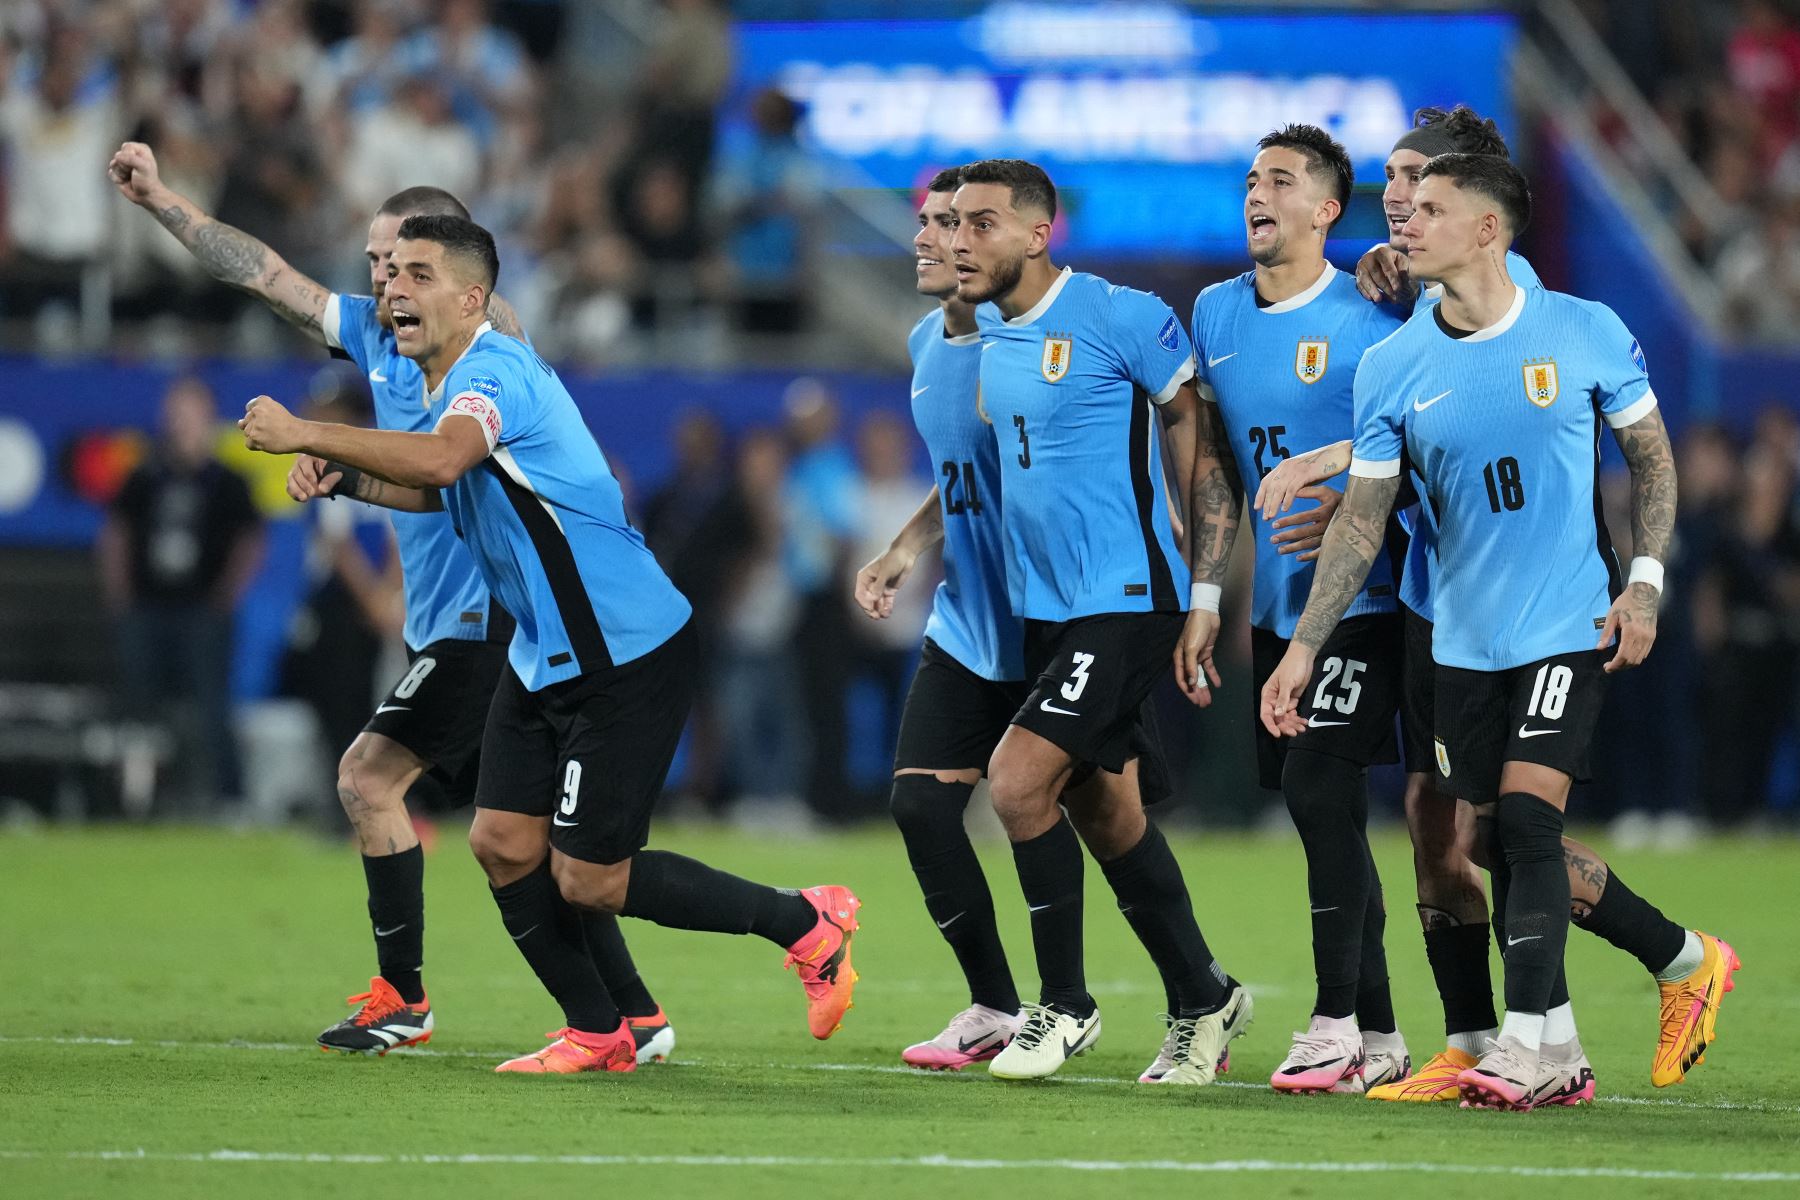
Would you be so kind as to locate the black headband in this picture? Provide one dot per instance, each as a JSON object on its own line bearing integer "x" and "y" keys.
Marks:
{"x": 1429, "y": 140}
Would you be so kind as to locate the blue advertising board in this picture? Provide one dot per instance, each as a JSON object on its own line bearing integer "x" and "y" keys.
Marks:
{"x": 1146, "y": 115}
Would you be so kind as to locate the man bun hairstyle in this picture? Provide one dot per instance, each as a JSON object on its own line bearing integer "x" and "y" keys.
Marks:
{"x": 462, "y": 239}
{"x": 422, "y": 202}
{"x": 1495, "y": 178}
{"x": 1460, "y": 130}
{"x": 1325, "y": 158}
{"x": 1029, "y": 185}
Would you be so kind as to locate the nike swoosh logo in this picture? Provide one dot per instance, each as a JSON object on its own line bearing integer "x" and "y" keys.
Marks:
{"x": 1531, "y": 733}
{"x": 379, "y": 932}
{"x": 1069, "y": 1048}
{"x": 1513, "y": 941}
{"x": 986, "y": 346}
{"x": 1213, "y": 362}
{"x": 519, "y": 937}
{"x": 1067, "y": 712}
{"x": 949, "y": 923}
{"x": 376, "y": 376}
{"x": 1421, "y": 407}
{"x": 1038, "y": 907}
{"x": 1333, "y": 908}
{"x": 917, "y": 392}
{"x": 1315, "y": 723}
{"x": 393, "y": 708}
{"x": 565, "y": 824}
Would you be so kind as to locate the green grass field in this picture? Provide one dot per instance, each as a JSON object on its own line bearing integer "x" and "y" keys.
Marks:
{"x": 162, "y": 989}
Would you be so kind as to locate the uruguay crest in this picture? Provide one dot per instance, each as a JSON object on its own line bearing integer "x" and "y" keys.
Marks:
{"x": 1310, "y": 358}
{"x": 1056, "y": 357}
{"x": 1443, "y": 757}
{"x": 1541, "y": 386}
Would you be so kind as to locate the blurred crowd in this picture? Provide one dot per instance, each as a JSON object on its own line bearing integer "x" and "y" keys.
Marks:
{"x": 622, "y": 214}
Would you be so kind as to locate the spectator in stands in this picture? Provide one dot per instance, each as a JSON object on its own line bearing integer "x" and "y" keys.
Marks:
{"x": 416, "y": 138}
{"x": 361, "y": 67}
{"x": 686, "y": 71}
{"x": 1759, "y": 274}
{"x": 483, "y": 67}
{"x": 764, "y": 195}
{"x": 180, "y": 545}
{"x": 1763, "y": 59}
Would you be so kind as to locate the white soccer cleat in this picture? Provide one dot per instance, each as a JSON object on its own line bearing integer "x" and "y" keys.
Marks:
{"x": 1505, "y": 1078}
{"x": 1164, "y": 1062}
{"x": 1203, "y": 1044}
{"x": 1564, "y": 1076}
{"x": 1385, "y": 1060}
{"x": 975, "y": 1034}
{"x": 1047, "y": 1039}
{"x": 1321, "y": 1061}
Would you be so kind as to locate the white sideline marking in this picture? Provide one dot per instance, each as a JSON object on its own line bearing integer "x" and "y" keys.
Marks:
{"x": 1249, "y": 1166}
{"x": 855, "y": 1068}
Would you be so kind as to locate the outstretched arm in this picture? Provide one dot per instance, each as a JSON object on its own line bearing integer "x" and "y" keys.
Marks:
{"x": 1645, "y": 444}
{"x": 229, "y": 255}
{"x": 880, "y": 579}
{"x": 505, "y": 319}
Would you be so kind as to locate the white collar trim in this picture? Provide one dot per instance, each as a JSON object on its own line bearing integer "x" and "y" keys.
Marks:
{"x": 1302, "y": 299}
{"x": 1037, "y": 310}
{"x": 1504, "y": 323}
{"x": 962, "y": 339}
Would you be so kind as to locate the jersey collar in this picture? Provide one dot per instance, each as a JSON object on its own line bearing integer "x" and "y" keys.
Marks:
{"x": 1504, "y": 323}
{"x": 962, "y": 339}
{"x": 437, "y": 393}
{"x": 1302, "y": 299}
{"x": 1042, "y": 306}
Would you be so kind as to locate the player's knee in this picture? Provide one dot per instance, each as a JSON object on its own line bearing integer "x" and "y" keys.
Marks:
{"x": 1530, "y": 829}
{"x": 596, "y": 887}
{"x": 926, "y": 807}
{"x": 1017, "y": 798}
{"x": 371, "y": 781}
{"x": 504, "y": 853}
{"x": 1321, "y": 792}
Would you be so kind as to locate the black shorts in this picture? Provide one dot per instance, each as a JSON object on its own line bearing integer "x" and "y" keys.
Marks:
{"x": 1543, "y": 712}
{"x": 1350, "y": 702}
{"x": 953, "y": 718}
{"x": 1418, "y": 695}
{"x": 439, "y": 707}
{"x": 591, "y": 752}
{"x": 1091, "y": 686}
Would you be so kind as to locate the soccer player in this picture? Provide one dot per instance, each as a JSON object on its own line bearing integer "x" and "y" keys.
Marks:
{"x": 1073, "y": 371}
{"x": 1451, "y": 899}
{"x": 455, "y": 634}
{"x": 1496, "y": 395}
{"x": 1276, "y": 350}
{"x": 601, "y": 666}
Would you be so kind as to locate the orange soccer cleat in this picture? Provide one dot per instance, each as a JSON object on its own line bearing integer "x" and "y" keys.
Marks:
{"x": 1690, "y": 1010}
{"x": 822, "y": 958}
{"x": 573, "y": 1051}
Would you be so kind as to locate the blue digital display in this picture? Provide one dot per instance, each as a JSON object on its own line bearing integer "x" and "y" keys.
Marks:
{"x": 1145, "y": 115}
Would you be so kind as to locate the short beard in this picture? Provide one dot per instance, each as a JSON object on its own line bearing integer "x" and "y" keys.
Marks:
{"x": 1003, "y": 279}
{"x": 1269, "y": 255}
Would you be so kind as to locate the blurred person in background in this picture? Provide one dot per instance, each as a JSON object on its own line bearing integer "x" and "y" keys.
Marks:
{"x": 686, "y": 69}
{"x": 822, "y": 527}
{"x": 181, "y": 543}
{"x": 415, "y": 136}
{"x": 483, "y": 67}
{"x": 760, "y": 615}
{"x": 763, "y": 196}
{"x": 1759, "y": 273}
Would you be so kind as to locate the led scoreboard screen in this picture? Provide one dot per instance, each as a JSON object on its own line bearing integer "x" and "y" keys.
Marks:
{"x": 1145, "y": 115}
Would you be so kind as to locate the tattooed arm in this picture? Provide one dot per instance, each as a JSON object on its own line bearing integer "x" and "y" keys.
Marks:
{"x": 1645, "y": 444}
{"x": 229, "y": 255}
{"x": 1215, "y": 500}
{"x": 504, "y": 318}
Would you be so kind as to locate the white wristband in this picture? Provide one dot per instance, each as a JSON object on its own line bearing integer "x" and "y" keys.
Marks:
{"x": 1205, "y": 596}
{"x": 1646, "y": 570}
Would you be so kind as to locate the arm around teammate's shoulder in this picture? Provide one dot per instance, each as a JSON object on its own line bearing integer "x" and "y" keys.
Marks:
{"x": 229, "y": 255}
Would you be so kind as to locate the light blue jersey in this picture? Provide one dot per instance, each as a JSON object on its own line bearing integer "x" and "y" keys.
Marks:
{"x": 445, "y": 595}
{"x": 1421, "y": 551}
{"x": 1281, "y": 375}
{"x": 545, "y": 521}
{"x": 971, "y": 616}
{"x": 1070, "y": 386}
{"x": 1503, "y": 426}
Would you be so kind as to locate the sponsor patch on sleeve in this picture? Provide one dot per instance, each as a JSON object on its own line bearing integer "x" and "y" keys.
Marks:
{"x": 474, "y": 404}
{"x": 1637, "y": 356}
{"x": 1170, "y": 337}
{"x": 487, "y": 385}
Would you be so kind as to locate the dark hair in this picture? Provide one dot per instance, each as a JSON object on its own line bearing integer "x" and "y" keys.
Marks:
{"x": 1468, "y": 130}
{"x": 422, "y": 202}
{"x": 1029, "y": 186}
{"x": 946, "y": 180}
{"x": 1325, "y": 158}
{"x": 1495, "y": 178}
{"x": 463, "y": 239}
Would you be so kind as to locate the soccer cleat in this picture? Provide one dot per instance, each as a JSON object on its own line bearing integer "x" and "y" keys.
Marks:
{"x": 822, "y": 958}
{"x": 975, "y": 1034}
{"x": 1564, "y": 1076}
{"x": 1433, "y": 1082}
{"x": 571, "y": 1052}
{"x": 381, "y": 1022}
{"x": 1690, "y": 1011}
{"x": 1203, "y": 1044}
{"x": 1385, "y": 1061}
{"x": 1320, "y": 1061}
{"x": 1504, "y": 1078}
{"x": 654, "y": 1036}
{"x": 1164, "y": 1062}
{"x": 1047, "y": 1038}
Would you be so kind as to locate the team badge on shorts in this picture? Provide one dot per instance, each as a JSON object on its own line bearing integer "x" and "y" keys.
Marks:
{"x": 1443, "y": 757}
{"x": 1056, "y": 357}
{"x": 1309, "y": 360}
{"x": 1540, "y": 382}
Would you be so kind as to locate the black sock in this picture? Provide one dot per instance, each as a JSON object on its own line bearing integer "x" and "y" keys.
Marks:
{"x": 1459, "y": 963}
{"x": 678, "y": 892}
{"x": 1154, "y": 900}
{"x": 1559, "y": 989}
{"x": 1537, "y": 904}
{"x": 397, "y": 914}
{"x": 1050, "y": 876}
{"x": 1631, "y": 923}
{"x": 1326, "y": 798}
{"x": 1499, "y": 877}
{"x": 929, "y": 813}
{"x": 1374, "y": 1000}
{"x": 547, "y": 930}
{"x": 612, "y": 958}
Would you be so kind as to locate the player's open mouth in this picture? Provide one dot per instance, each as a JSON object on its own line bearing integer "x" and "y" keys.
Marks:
{"x": 965, "y": 271}
{"x": 1396, "y": 221}
{"x": 1261, "y": 227}
{"x": 404, "y": 320}
{"x": 925, "y": 264}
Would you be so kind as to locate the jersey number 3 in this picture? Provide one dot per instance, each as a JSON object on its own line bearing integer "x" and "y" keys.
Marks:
{"x": 1024, "y": 441}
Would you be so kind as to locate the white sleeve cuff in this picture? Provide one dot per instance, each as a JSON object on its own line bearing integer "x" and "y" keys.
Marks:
{"x": 1207, "y": 394}
{"x": 1182, "y": 374}
{"x": 329, "y": 326}
{"x": 1634, "y": 412}
{"x": 479, "y": 407}
{"x": 1385, "y": 468}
